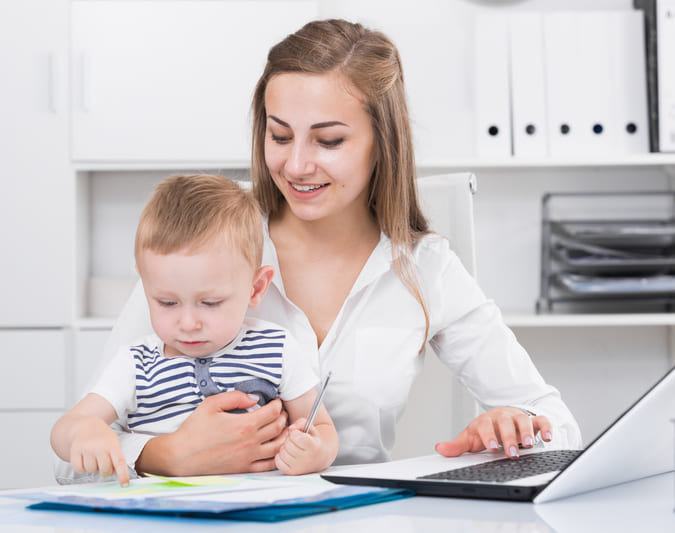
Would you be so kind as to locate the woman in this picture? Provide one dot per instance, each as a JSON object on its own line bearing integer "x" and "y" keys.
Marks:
{"x": 358, "y": 274}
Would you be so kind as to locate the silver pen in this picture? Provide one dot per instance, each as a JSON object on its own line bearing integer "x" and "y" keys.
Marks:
{"x": 317, "y": 403}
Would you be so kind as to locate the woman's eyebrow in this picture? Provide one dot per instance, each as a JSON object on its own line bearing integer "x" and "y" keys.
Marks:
{"x": 316, "y": 126}
{"x": 278, "y": 120}
{"x": 327, "y": 124}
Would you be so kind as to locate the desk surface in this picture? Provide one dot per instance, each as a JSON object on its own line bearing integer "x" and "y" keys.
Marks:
{"x": 645, "y": 505}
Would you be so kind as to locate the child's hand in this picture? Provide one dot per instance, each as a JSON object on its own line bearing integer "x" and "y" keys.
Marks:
{"x": 96, "y": 448}
{"x": 301, "y": 453}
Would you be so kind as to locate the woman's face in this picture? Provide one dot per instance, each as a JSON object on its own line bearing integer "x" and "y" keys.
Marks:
{"x": 318, "y": 144}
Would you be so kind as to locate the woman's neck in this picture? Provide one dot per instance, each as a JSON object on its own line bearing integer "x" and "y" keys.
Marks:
{"x": 326, "y": 234}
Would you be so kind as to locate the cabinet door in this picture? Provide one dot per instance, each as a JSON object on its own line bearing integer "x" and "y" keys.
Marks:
{"x": 27, "y": 459}
{"x": 32, "y": 397}
{"x": 171, "y": 81}
{"x": 35, "y": 369}
{"x": 36, "y": 195}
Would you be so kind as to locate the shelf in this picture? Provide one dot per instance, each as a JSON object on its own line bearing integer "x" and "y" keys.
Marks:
{"x": 589, "y": 320}
{"x": 85, "y": 166}
{"x": 636, "y": 160}
{"x": 469, "y": 163}
{"x": 515, "y": 320}
{"x": 94, "y": 323}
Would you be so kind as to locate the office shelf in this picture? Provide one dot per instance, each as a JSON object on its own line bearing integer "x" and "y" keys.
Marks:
{"x": 525, "y": 320}
{"x": 666, "y": 160}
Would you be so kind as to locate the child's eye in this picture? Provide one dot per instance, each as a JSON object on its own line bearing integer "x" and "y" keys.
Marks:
{"x": 331, "y": 143}
{"x": 166, "y": 303}
{"x": 212, "y": 303}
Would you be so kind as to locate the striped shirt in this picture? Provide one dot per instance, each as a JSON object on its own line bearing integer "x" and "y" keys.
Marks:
{"x": 167, "y": 389}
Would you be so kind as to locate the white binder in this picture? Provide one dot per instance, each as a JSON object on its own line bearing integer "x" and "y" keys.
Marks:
{"x": 578, "y": 82}
{"x": 628, "y": 70}
{"x": 665, "y": 31}
{"x": 528, "y": 89}
{"x": 491, "y": 87}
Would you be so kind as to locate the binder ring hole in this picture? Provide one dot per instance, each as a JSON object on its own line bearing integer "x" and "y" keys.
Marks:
{"x": 597, "y": 129}
{"x": 564, "y": 129}
{"x": 493, "y": 131}
{"x": 631, "y": 127}
{"x": 530, "y": 129}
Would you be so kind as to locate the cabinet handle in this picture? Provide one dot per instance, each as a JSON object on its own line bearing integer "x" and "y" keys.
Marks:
{"x": 84, "y": 82}
{"x": 52, "y": 89}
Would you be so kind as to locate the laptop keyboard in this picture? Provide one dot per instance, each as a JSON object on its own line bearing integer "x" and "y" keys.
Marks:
{"x": 503, "y": 470}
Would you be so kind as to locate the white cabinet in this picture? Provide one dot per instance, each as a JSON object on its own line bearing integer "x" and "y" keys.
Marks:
{"x": 33, "y": 395}
{"x": 171, "y": 81}
{"x": 36, "y": 186}
{"x": 26, "y": 459}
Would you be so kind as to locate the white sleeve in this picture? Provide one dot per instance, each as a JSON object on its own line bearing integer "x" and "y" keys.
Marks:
{"x": 133, "y": 322}
{"x": 472, "y": 338}
{"x": 117, "y": 384}
{"x": 297, "y": 376}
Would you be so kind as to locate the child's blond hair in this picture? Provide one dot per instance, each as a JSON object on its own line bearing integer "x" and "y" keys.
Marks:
{"x": 187, "y": 212}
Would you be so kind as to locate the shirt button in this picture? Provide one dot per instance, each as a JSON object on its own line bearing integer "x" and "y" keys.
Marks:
{"x": 202, "y": 361}
{"x": 202, "y": 383}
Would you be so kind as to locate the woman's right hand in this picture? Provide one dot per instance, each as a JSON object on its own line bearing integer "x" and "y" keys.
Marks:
{"x": 213, "y": 441}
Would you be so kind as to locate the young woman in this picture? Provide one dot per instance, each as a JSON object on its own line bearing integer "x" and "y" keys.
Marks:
{"x": 358, "y": 276}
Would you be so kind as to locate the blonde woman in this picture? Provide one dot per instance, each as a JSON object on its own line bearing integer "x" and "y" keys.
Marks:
{"x": 358, "y": 276}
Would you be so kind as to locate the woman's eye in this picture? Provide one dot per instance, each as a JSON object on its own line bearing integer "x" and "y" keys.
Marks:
{"x": 280, "y": 139}
{"x": 331, "y": 143}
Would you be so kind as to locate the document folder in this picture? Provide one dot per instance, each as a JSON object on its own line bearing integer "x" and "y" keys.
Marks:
{"x": 665, "y": 31}
{"x": 577, "y": 77}
{"x": 528, "y": 90}
{"x": 596, "y": 83}
{"x": 648, "y": 7}
{"x": 628, "y": 83}
{"x": 491, "y": 87}
{"x": 253, "y": 498}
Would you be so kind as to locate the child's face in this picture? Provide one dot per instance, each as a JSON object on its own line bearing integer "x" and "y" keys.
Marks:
{"x": 197, "y": 300}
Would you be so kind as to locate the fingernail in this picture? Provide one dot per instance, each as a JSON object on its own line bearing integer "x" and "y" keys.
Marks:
{"x": 254, "y": 397}
{"x": 494, "y": 445}
{"x": 548, "y": 435}
{"x": 528, "y": 441}
{"x": 513, "y": 451}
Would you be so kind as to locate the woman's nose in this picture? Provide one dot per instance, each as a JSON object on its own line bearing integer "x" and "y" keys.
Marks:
{"x": 300, "y": 160}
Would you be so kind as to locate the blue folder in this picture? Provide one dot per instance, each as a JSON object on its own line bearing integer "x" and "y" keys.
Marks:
{"x": 338, "y": 498}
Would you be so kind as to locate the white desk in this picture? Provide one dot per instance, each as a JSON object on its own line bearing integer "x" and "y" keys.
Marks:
{"x": 644, "y": 506}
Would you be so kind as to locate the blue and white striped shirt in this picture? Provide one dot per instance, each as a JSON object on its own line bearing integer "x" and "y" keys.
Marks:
{"x": 263, "y": 359}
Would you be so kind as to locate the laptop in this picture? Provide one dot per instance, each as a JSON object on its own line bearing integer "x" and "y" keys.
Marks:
{"x": 638, "y": 444}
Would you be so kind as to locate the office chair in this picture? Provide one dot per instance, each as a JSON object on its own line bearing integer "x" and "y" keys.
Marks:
{"x": 439, "y": 406}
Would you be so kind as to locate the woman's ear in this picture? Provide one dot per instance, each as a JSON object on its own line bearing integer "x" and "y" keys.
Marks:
{"x": 261, "y": 280}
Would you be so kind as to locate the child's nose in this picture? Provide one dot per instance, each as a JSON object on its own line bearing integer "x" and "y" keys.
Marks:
{"x": 189, "y": 321}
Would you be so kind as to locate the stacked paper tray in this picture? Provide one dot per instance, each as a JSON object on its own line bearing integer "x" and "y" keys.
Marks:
{"x": 608, "y": 252}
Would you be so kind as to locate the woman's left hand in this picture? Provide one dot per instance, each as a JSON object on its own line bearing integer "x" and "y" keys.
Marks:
{"x": 508, "y": 426}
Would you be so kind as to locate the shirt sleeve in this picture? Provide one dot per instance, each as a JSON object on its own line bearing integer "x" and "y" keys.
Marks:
{"x": 117, "y": 384}
{"x": 470, "y": 336}
{"x": 297, "y": 376}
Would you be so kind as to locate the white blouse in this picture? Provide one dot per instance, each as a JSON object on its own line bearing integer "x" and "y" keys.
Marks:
{"x": 372, "y": 348}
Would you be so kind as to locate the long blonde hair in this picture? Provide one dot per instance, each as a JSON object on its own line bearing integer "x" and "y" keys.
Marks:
{"x": 370, "y": 61}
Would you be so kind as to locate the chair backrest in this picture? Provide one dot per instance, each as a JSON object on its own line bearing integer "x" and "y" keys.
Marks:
{"x": 438, "y": 405}
{"x": 447, "y": 202}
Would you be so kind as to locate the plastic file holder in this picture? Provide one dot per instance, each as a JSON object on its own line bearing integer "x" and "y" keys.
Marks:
{"x": 607, "y": 252}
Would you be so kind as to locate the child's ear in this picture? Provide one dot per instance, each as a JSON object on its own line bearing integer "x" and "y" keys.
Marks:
{"x": 261, "y": 280}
